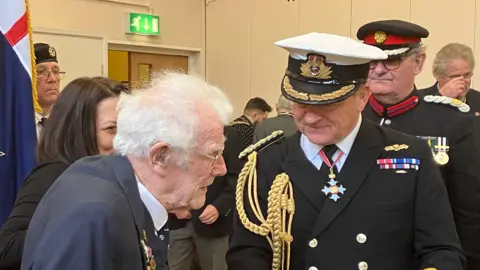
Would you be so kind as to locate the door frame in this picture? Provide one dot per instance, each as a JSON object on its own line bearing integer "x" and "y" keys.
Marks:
{"x": 196, "y": 56}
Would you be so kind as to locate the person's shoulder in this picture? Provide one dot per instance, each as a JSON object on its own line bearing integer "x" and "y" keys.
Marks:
{"x": 268, "y": 146}
{"x": 46, "y": 172}
{"x": 446, "y": 104}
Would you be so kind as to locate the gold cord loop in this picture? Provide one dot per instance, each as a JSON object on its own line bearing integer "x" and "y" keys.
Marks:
{"x": 281, "y": 208}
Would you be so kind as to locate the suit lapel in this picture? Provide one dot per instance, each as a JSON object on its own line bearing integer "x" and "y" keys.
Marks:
{"x": 366, "y": 149}
{"x": 302, "y": 172}
{"x": 126, "y": 178}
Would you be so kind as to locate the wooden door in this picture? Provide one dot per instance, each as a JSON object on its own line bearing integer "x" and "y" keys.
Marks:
{"x": 144, "y": 65}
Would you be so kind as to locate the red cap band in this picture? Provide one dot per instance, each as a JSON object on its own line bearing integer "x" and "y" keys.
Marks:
{"x": 381, "y": 38}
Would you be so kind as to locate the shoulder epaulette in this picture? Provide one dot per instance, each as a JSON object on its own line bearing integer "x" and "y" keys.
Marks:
{"x": 239, "y": 122}
{"x": 262, "y": 144}
{"x": 463, "y": 107}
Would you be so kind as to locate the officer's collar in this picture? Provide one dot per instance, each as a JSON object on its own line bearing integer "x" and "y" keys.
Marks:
{"x": 391, "y": 110}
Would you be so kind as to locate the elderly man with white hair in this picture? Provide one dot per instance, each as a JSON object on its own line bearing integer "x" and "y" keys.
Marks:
{"x": 105, "y": 212}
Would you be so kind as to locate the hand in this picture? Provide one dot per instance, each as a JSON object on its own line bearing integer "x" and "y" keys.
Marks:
{"x": 454, "y": 88}
{"x": 209, "y": 215}
{"x": 183, "y": 213}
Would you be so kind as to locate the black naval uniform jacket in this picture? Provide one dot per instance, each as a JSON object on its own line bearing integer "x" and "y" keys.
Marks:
{"x": 461, "y": 173}
{"x": 385, "y": 219}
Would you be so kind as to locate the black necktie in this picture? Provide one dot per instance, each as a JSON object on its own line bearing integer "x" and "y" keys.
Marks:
{"x": 329, "y": 150}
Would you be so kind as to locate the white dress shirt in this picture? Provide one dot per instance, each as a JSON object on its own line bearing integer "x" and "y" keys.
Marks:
{"x": 157, "y": 211}
{"x": 312, "y": 150}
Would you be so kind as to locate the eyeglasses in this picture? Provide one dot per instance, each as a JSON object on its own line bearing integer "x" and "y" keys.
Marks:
{"x": 45, "y": 73}
{"x": 214, "y": 157}
{"x": 389, "y": 64}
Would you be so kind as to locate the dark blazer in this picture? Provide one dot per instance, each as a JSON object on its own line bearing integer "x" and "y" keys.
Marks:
{"x": 461, "y": 173}
{"x": 220, "y": 194}
{"x": 14, "y": 230}
{"x": 93, "y": 218}
{"x": 283, "y": 122}
{"x": 405, "y": 217}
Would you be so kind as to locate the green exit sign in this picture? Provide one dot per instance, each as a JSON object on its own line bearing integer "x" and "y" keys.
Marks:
{"x": 143, "y": 24}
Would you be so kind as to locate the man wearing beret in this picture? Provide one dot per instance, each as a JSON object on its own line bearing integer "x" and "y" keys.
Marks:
{"x": 441, "y": 121}
{"x": 343, "y": 192}
{"x": 48, "y": 81}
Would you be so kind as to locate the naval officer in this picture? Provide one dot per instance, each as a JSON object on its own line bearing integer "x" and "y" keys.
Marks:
{"x": 343, "y": 193}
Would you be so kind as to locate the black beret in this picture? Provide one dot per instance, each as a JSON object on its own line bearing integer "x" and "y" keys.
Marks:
{"x": 44, "y": 53}
{"x": 395, "y": 37}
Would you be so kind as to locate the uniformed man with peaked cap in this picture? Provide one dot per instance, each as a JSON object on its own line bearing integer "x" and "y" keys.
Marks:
{"x": 343, "y": 193}
{"x": 443, "y": 122}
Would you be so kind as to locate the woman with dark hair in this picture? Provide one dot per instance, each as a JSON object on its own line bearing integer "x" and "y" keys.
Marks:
{"x": 82, "y": 123}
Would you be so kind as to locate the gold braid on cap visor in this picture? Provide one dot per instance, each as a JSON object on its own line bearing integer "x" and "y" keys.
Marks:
{"x": 316, "y": 97}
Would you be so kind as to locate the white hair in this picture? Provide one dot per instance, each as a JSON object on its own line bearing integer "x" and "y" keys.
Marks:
{"x": 167, "y": 111}
{"x": 284, "y": 105}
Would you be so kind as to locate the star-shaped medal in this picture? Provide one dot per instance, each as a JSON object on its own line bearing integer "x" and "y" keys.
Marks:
{"x": 334, "y": 190}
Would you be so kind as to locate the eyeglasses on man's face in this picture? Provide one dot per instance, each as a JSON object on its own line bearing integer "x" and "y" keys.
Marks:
{"x": 213, "y": 156}
{"x": 44, "y": 73}
{"x": 390, "y": 64}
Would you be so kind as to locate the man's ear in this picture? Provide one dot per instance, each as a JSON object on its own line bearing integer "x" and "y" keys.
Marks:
{"x": 363, "y": 94}
{"x": 159, "y": 153}
{"x": 418, "y": 64}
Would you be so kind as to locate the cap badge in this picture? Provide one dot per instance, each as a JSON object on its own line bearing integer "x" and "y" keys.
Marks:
{"x": 52, "y": 51}
{"x": 316, "y": 68}
{"x": 380, "y": 37}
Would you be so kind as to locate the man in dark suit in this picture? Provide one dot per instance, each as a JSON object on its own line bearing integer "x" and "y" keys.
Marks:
{"x": 283, "y": 121}
{"x": 453, "y": 68}
{"x": 343, "y": 193}
{"x": 441, "y": 121}
{"x": 204, "y": 236}
{"x": 110, "y": 212}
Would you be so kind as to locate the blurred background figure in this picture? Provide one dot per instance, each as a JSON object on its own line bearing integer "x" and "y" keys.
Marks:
{"x": 256, "y": 110}
{"x": 283, "y": 121}
{"x": 48, "y": 81}
{"x": 453, "y": 68}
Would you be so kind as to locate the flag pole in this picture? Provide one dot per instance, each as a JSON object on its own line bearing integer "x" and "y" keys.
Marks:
{"x": 36, "y": 105}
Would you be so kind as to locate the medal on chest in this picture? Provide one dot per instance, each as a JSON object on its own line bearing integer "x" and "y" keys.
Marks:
{"x": 440, "y": 148}
{"x": 147, "y": 252}
{"x": 333, "y": 190}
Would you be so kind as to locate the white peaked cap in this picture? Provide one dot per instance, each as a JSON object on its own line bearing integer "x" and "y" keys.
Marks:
{"x": 336, "y": 49}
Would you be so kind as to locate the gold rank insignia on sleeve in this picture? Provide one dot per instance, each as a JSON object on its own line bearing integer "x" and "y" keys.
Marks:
{"x": 2, "y": 153}
{"x": 277, "y": 225}
{"x": 463, "y": 107}
{"x": 396, "y": 147}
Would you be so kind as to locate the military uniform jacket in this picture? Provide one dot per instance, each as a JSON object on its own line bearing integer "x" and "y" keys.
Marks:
{"x": 384, "y": 220}
{"x": 461, "y": 173}
{"x": 472, "y": 99}
{"x": 93, "y": 218}
{"x": 245, "y": 128}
